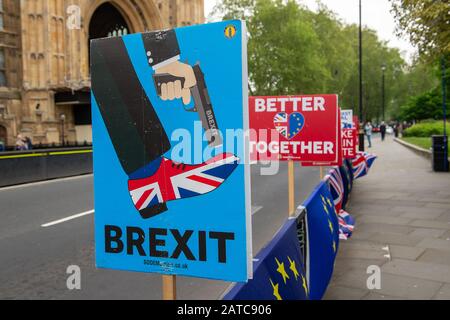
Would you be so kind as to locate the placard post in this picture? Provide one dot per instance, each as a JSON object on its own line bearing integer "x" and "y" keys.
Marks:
{"x": 169, "y": 287}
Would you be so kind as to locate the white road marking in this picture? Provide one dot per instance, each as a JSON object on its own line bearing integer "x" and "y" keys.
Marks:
{"x": 255, "y": 209}
{"x": 34, "y": 184}
{"x": 75, "y": 216}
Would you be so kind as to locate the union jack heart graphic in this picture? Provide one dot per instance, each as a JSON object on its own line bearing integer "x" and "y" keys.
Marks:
{"x": 289, "y": 125}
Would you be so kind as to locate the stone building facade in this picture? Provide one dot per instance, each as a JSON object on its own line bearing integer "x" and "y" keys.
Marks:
{"x": 44, "y": 59}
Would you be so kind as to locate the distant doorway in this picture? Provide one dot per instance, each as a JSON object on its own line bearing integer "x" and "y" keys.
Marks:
{"x": 107, "y": 21}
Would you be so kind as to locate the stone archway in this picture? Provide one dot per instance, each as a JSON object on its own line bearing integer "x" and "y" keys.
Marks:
{"x": 107, "y": 21}
{"x": 140, "y": 15}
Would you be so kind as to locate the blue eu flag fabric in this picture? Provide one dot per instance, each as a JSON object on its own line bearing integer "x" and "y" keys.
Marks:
{"x": 279, "y": 272}
{"x": 347, "y": 182}
{"x": 349, "y": 168}
{"x": 323, "y": 239}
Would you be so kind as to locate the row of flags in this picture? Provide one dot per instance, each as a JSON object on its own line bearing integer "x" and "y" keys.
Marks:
{"x": 340, "y": 182}
{"x": 362, "y": 164}
{"x": 298, "y": 263}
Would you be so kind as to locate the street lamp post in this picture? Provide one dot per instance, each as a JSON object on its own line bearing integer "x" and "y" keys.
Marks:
{"x": 383, "y": 69}
{"x": 444, "y": 94}
{"x": 444, "y": 111}
{"x": 361, "y": 130}
{"x": 63, "y": 119}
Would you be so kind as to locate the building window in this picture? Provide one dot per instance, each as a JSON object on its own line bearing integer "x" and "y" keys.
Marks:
{"x": 2, "y": 68}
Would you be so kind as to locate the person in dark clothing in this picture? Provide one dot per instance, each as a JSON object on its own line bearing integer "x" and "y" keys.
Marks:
{"x": 383, "y": 130}
{"x": 396, "y": 129}
{"x": 29, "y": 143}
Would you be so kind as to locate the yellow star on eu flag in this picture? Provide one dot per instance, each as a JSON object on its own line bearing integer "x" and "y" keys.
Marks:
{"x": 329, "y": 202}
{"x": 330, "y": 225}
{"x": 305, "y": 287}
{"x": 334, "y": 246}
{"x": 326, "y": 209}
{"x": 281, "y": 270}
{"x": 276, "y": 292}
{"x": 293, "y": 268}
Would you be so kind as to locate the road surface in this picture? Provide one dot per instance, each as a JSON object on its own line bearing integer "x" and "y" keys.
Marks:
{"x": 34, "y": 259}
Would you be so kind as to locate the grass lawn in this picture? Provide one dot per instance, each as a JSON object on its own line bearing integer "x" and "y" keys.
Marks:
{"x": 420, "y": 142}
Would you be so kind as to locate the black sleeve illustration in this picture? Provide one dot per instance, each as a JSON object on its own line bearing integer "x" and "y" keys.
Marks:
{"x": 160, "y": 46}
{"x": 132, "y": 123}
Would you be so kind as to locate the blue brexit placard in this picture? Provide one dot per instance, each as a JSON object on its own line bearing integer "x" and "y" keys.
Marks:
{"x": 171, "y": 177}
{"x": 279, "y": 270}
{"x": 322, "y": 239}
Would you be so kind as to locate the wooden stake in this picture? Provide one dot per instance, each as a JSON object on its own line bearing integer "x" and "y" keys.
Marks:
{"x": 291, "y": 188}
{"x": 169, "y": 287}
{"x": 321, "y": 172}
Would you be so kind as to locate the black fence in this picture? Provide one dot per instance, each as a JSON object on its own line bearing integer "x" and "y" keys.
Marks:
{"x": 19, "y": 167}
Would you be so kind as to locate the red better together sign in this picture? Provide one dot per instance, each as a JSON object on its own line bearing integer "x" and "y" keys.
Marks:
{"x": 300, "y": 128}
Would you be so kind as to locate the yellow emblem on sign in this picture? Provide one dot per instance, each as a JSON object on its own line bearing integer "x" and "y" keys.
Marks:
{"x": 230, "y": 31}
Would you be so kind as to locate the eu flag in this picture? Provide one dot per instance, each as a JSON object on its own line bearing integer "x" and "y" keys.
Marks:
{"x": 322, "y": 239}
{"x": 279, "y": 272}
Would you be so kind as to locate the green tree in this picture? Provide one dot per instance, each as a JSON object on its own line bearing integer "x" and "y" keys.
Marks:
{"x": 284, "y": 50}
{"x": 337, "y": 48}
{"x": 293, "y": 50}
{"x": 423, "y": 107}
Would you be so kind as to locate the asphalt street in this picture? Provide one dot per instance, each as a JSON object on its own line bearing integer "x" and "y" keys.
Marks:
{"x": 34, "y": 259}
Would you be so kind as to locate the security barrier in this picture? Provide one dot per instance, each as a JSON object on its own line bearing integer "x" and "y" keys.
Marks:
{"x": 285, "y": 271}
{"x": 31, "y": 166}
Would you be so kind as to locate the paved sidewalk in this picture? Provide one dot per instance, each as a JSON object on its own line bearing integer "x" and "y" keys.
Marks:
{"x": 402, "y": 212}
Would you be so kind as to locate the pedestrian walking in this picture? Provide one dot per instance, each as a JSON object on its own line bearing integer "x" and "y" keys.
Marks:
{"x": 383, "y": 130}
{"x": 368, "y": 132}
{"x": 20, "y": 143}
{"x": 2, "y": 146}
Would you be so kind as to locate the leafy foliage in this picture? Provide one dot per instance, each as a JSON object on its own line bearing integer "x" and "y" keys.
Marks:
{"x": 293, "y": 50}
{"x": 425, "y": 129}
{"x": 427, "y": 23}
{"x": 425, "y": 106}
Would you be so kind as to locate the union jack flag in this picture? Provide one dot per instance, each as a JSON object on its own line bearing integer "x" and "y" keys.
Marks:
{"x": 281, "y": 124}
{"x": 370, "y": 159}
{"x": 359, "y": 165}
{"x": 362, "y": 163}
{"x": 175, "y": 181}
{"x": 346, "y": 225}
{"x": 336, "y": 185}
{"x": 337, "y": 189}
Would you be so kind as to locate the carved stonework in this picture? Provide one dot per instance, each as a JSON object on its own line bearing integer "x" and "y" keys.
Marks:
{"x": 45, "y": 45}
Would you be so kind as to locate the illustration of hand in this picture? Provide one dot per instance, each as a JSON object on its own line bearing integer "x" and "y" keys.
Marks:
{"x": 174, "y": 81}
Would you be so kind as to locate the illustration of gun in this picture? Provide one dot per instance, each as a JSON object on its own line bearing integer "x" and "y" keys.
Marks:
{"x": 202, "y": 103}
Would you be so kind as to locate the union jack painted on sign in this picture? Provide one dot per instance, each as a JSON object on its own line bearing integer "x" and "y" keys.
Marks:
{"x": 175, "y": 181}
{"x": 281, "y": 124}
